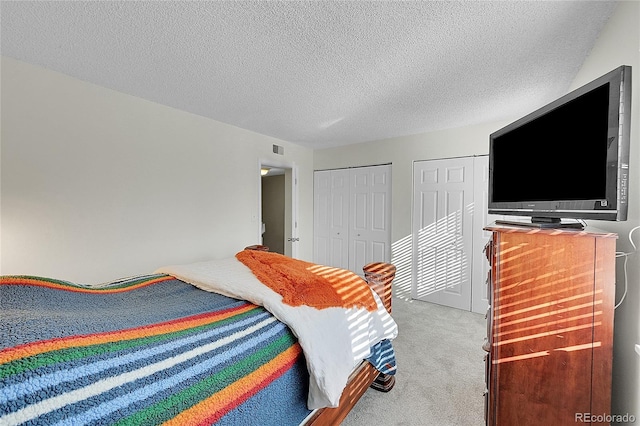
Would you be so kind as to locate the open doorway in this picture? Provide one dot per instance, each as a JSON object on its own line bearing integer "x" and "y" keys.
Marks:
{"x": 273, "y": 209}
{"x": 278, "y": 207}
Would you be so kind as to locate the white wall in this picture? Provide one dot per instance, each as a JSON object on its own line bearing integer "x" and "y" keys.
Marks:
{"x": 618, "y": 44}
{"x": 97, "y": 184}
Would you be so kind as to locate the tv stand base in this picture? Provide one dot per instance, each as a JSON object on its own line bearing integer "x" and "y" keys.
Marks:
{"x": 546, "y": 223}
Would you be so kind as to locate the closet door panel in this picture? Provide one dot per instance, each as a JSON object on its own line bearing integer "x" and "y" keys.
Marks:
{"x": 321, "y": 217}
{"x": 442, "y": 226}
{"x": 352, "y": 217}
{"x": 339, "y": 226}
{"x": 331, "y": 218}
{"x": 370, "y": 232}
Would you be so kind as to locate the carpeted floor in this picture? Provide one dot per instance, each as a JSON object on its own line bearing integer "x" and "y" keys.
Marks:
{"x": 440, "y": 378}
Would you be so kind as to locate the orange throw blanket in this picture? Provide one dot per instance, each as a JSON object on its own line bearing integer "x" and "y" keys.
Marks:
{"x": 305, "y": 283}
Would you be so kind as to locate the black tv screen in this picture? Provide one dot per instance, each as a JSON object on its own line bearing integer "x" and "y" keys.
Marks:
{"x": 568, "y": 159}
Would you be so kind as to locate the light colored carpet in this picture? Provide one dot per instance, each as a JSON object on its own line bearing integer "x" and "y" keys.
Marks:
{"x": 440, "y": 378}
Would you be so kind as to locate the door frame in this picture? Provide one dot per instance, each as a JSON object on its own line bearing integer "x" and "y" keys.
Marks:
{"x": 291, "y": 202}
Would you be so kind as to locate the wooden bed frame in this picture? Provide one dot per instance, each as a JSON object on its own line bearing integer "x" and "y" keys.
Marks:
{"x": 379, "y": 276}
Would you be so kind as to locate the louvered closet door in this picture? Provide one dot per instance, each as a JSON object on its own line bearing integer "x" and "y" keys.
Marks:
{"x": 442, "y": 231}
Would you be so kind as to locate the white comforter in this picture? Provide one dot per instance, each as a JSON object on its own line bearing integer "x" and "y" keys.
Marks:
{"x": 334, "y": 340}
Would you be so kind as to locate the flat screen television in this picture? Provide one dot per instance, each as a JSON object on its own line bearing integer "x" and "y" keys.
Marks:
{"x": 568, "y": 160}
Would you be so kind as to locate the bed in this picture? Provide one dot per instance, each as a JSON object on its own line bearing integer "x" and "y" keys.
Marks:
{"x": 250, "y": 339}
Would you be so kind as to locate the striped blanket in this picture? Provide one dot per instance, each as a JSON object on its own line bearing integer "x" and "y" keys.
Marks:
{"x": 335, "y": 339}
{"x": 148, "y": 350}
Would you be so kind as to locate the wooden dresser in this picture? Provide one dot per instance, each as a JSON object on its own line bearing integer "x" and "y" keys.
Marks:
{"x": 550, "y": 326}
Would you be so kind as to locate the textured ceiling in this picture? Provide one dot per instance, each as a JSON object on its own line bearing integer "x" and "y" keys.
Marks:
{"x": 321, "y": 73}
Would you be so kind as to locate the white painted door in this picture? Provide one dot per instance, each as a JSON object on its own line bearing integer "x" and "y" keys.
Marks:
{"x": 352, "y": 217}
{"x": 442, "y": 231}
{"x": 291, "y": 212}
{"x": 481, "y": 266}
{"x": 331, "y": 218}
{"x": 370, "y": 216}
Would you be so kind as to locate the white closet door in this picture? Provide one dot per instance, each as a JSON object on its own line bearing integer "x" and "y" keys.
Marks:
{"x": 481, "y": 266}
{"x": 442, "y": 232}
{"x": 321, "y": 214}
{"x": 370, "y": 216}
{"x": 352, "y": 217}
{"x": 331, "y": 218}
